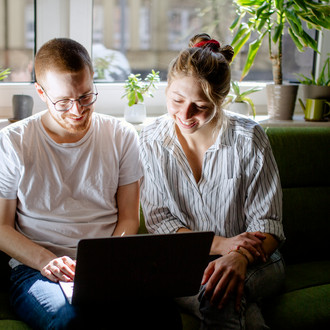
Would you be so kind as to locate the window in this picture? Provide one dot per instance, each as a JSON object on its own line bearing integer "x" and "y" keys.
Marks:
{"x": 140, "y": 35}
{"x": 126, "y": 36}
{"x": 17, "y": 39}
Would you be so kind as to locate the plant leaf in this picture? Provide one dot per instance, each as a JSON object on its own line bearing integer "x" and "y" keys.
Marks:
{"x": 253, "y": 50}
{"x": 295, "y": 39}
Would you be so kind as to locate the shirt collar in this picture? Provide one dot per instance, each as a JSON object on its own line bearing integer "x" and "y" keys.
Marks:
{"x": 166, "y": 135}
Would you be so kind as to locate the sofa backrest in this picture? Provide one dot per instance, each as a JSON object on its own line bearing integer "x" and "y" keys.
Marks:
{"x": 303, "y": 158}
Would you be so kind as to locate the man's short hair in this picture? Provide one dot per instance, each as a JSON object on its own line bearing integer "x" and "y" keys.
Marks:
{"x": 61, "y": 55}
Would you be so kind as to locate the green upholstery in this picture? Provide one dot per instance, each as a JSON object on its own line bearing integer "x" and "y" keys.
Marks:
{"x": 303, "y": 158}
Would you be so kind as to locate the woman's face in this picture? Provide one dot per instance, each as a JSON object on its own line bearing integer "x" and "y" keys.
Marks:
{"x": 188, "y": 105}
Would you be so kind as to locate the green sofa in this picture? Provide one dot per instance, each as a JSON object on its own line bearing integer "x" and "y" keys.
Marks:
{"x": 303, "y": 158}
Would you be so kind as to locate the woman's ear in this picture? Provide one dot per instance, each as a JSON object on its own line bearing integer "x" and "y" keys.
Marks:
{"x": 40, "y": 92}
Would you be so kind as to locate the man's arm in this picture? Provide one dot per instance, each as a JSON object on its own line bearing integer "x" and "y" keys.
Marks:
{"x": 128, "y": 209}
{"x": 27, "y": 252}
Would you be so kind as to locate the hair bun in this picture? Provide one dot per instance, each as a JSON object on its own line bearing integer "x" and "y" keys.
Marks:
{"x": 228, "y": 52}
{"x": 198, "y": 38}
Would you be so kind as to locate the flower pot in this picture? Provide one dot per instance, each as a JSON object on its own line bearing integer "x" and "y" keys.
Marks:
{"x": 240, "y": 107}
{"x": 136, "y": 114}
{"x": 315, "y": 92}
{"x": 22, "y": 106}
{"x": 281, "y": 101}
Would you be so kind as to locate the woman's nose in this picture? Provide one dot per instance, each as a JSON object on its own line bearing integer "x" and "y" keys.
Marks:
{"x": 188, "y": 111}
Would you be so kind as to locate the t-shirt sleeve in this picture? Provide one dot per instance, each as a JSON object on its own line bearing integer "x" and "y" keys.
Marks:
{"x": 130, "y": 169}
{"x": 9, "y": 168}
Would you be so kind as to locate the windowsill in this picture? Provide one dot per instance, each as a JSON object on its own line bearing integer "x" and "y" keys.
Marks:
{"x": 264, "y": 121}
{"x": 297, "y": 121}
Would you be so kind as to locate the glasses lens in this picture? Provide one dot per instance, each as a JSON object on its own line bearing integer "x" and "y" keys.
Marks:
{"x": 63, "y": 105}
{"x": 84, "y": 101}
{"x": 87, "y": 99}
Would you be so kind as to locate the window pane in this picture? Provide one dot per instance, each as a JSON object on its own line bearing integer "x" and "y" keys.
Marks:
{"x": 17, "y": 39}
{"x": 140, "y": 35}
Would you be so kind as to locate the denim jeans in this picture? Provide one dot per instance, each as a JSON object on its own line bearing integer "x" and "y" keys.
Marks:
{"x": 41, "y": 304}
{"x": 262, "y": 280}
{"x": 38, "y": 301}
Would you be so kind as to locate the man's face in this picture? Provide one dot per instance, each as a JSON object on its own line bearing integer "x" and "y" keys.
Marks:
{"x": 68, "y": 86}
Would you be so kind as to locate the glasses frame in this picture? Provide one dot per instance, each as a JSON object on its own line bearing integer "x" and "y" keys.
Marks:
{"x": 72, "y": 101}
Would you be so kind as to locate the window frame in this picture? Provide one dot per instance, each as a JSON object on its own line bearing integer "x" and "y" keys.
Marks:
{"x": 73, "y": 19}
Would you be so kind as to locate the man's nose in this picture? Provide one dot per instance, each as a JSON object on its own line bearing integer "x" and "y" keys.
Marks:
{"x": 76, "y": 108}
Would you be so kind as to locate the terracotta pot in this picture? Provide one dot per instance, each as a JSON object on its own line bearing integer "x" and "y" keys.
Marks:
{"x": 281, "y": 100}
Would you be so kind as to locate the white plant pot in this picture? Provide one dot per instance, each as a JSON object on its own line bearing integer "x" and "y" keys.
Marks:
{"x": 241, "y": 108}
{"x": 136, "y": 114}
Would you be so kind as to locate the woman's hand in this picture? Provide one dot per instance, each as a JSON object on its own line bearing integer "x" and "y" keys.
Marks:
{"x": 60, "y": 269}
{"x": 225, "y": 278}
{"x": 250, "y": 241}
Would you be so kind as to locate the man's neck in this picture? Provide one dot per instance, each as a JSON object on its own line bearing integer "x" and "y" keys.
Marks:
{"x": 58, "y": 133}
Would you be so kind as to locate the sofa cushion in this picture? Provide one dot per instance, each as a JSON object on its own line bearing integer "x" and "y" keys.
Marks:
{"x": 306, "y": 217}
{"x": 298, "y": 156}
{"x": 300, "y": 309}
{"x": 5, "y": 310}
{"x": 305, "y": 275}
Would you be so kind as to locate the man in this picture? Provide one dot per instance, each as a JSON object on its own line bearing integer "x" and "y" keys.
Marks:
{"x": 65, "y": 173}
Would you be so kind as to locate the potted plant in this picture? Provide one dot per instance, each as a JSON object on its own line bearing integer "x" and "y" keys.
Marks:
{"x": 238, "y": 101}
{"x": 135, "y": 91}
{"x": 258, "y": 20}
{"x": 317, "y": 88}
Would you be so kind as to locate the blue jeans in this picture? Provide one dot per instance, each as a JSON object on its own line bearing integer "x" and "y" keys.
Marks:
{"x": 262, "y": 280}
{"x": 41, "y": 304}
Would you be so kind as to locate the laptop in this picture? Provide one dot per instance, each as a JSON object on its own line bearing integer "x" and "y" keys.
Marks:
{"x": 122, "y": 268}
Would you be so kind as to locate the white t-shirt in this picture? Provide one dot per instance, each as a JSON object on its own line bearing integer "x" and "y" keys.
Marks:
{"x": 67, "y": 192}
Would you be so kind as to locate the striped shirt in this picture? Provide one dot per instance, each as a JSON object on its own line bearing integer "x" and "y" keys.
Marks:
{"x": 239, "y": 189}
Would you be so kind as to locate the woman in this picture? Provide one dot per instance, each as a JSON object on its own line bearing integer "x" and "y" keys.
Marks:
{"x": 207, "y": 169}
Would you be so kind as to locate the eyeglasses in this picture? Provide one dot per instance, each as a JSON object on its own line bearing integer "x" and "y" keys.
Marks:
{"x": 66, "y": 104}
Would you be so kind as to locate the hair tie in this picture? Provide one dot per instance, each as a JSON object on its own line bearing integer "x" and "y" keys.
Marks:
{"x": 214, "y": 45}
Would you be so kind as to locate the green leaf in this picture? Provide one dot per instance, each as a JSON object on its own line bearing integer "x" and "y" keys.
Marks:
{"x": 140, "y": 96}
{"x": 294, "y": 38}
{"x": 4, "y": 73}
{"x": 242, "y": 42}
{"x": 234, "y": 24}
{"x": 262, "y": 8}
{"x": 278, "y": 32}
{"x": 253, "y": 50}
{"x": 294, "y": 22}
{"x": 249, "y": 3}
{"x": 279, "y": 4}
{"x": 241, "y": 32}
{"x": 301, "y": 4}
{"x": 309, "y": 41}
{"x": 250, "y": 91}
{"x": 250, "y": 102}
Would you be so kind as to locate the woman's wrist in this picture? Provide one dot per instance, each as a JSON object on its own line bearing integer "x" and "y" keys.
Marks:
{"x": 243, "y": 252}
{"x": 217, "y": 245}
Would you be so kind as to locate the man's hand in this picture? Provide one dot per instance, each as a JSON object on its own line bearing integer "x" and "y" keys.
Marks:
{"x": 225, "y": 278}
{"x": 60, "y": 269}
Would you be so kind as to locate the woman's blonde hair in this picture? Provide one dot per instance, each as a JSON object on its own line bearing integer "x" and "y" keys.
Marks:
{"x": 209, "y": 63}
